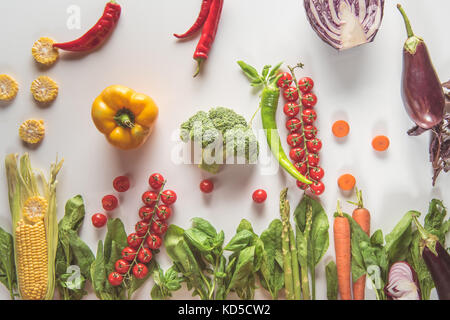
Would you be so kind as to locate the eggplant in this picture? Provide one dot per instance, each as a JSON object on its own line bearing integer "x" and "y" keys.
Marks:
{"x": 422, "y": 92}
{"x": 437, "y": 260}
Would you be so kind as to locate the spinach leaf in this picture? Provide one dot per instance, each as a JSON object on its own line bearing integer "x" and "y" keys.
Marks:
{"x": 7, "y": 263}
{"x": 243, "y": 280}
{"x": 434, "y": 220}
{"x": 332, "y": 281}
{"x": 200, "y": 240}
{"x": 205, "y": 226}
{"x": 241, "y": 240}
{"x": 399, "y": 239}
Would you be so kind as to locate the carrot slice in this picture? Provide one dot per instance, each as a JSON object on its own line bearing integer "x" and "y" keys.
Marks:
{"x": 380, "y": 143}
{"x": 346, "y": 182}
{"x": 340, "y": 128}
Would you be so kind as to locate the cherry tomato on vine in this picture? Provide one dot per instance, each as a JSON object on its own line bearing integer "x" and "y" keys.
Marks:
{"x": 293, "y": 125}
{"x": 302, "y": 185}
{"x": 285, "y": 80}
{"x": 313, "y": 160}
{"x": 154, "y": 242}
{"x": 163, "y": 212}
{"x": 134, "y": 241}
{"x": 140, "y": 271}
{"x": 295, "y": 140}
{"x": 291, "y": 109}
{"x": 141, "y": 228}
{"x": 122, "y": 266}
{"x": 206, "y": 186}
{"x": 317, "y": 188}
{"x": 316, "y": 173}
{"x": 128, "y": 254}
{"x": 309, "y": 116}
{"x": 290, "y": 94}
{"x": 305, "y": 84}
{"x": 145, "y": 255}
{"x": 159, "y": 227}
{"x": 115, "y": 279}
{"x": 310, "y": 131}
{"x": 309, "y": 100}
{"x": 314, "y": 145}
{"x": 156, "y": 181}
{"x": 168, "y": 197}
{"x": 297, "y": 154}
{"x": 99, "y": 220}
{"x": 149, "y": 198}
{"x": 121, "y": 184}
{"x": 301, "y": 167}
{"x": 259, "y": 196}
{"x": 145, "y": 213}
{"x": 110, "y": 202}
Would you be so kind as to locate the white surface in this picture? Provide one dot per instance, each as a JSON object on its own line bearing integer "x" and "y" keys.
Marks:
{"x": 361, "y": 85}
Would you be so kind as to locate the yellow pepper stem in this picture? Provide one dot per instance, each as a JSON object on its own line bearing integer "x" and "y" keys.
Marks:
{"x": 125, "y": 118}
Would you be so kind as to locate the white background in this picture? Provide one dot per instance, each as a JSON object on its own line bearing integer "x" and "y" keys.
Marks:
{"x": 361, "y": 85}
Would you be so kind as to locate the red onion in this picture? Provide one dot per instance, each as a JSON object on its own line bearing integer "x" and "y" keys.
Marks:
{"x": 344, "y": 24}
{"x": 402, "y": 283}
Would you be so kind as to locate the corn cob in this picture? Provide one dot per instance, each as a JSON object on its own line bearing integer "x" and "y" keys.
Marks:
{"x": 32, "y": 131}
{"x": 43, "y": 51}
{"x": 44, "y": 89}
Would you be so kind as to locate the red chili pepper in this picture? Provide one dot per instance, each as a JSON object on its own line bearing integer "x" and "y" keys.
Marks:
{"x": 98, "y": 33}
{"x": 208, "y": 33}
{"x": 204, "y": 11}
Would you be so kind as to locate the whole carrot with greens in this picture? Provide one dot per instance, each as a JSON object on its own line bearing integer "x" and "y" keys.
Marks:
{"x": 362, "y": 216}
{"x": 268, "y": 106}
{"x": 341, "y": 229}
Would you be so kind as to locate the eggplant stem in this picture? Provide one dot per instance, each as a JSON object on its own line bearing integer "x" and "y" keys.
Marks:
{"x": 428, "y": 238}
{"x": 409, "y": 30}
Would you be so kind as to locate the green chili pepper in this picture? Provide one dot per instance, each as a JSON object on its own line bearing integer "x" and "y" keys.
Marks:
{"x": 269, "y": 104}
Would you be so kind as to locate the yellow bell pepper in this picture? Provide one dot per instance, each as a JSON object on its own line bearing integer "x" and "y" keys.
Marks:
{"x": 124, "y": 116}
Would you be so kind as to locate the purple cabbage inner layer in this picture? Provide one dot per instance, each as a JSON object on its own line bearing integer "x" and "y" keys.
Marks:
{"x": 344, "y": 24}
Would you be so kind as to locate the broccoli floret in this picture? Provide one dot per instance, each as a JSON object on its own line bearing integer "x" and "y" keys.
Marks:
{"x": 224, "y": 126}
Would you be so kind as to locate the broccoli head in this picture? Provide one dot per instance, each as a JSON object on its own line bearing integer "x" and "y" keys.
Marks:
{"x": 220, "y": 130}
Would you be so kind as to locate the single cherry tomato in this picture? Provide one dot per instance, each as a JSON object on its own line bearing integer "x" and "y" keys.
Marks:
{"x": 285, "y": 80}
{"x": 140, "y": 271}
{"x": 290, "y": 94}
{"x": 168, "y": 197}
{"x": 110, "y": 202}
{"x": 146, "y": 213}
{"x": 156, "y": 181}
{"x": 297, "y": 154}
{"x": 314, "y": 145}
{"x": 128, "y": 254}
{"x": 206, "y": 186}
{"x": 291, "y": 109}
{"x": 163, "y": 212}
{"x": 121, "y": 184}
{"x": 313, "y": 160}
{"x": 316, "y": 173}
{"x": 134, "y": 241}
{"x": 309, "y": 116}
{"x": 99, "y": 220}
{"x": 154, "y": 242}
{"x": 302, "y": 185}
{"x": 293, "y": 125}
{"x": 149, "y": 198}
{"x": 310, "y": 131}
{"x": 122, "y": 266}
{"x": 301, "y": 167}
{"x": 309, "y": 100}
{"x": 305, "y": 84}
{"x": 295, "y": 140}
{"x": 115, "y": 279}
{"x": 144, "y": 255}
{"x": 259, "y": 196}
{"x": 141, "y": 228}
{"x": 159, "y": 227}
{"x": 317, "y": 188}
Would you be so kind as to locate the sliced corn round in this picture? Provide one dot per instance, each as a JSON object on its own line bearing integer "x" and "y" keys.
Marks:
{"x": 32, "y": 131}
{"x": 43, "y": 51}
{"x": 35, "y": 209}
{"x": 44, "y": 89}
{"x": 8, "y": 87}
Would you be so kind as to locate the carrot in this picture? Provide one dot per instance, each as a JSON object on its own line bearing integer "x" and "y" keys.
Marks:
{"x": 362, "y": 216}
{"x": 341, "y": 229}
{"x": 340, "y": 128}
{"x": 380, "y": 143}
{"x": 346, "y": 182}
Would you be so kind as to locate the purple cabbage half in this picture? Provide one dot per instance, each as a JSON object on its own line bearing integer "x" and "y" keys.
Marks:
{"x": 344, "y": 24}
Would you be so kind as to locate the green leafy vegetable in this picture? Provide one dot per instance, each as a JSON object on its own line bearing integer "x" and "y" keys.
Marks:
{"x": 332, "y": 281}
{"x": 7, "y": 263}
